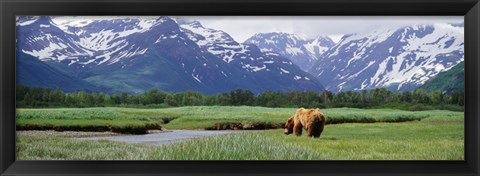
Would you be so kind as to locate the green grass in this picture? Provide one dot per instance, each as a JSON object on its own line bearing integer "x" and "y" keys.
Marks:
{"x": 88, "y": 119}
{"x": 60, "y": 148}
{"x": 435, "y": 139}
{"x": 227, "y": 147}
{"x": 198, "y": 117}
{"x": 202, "y": 117}
{"x": 439, "y": 137}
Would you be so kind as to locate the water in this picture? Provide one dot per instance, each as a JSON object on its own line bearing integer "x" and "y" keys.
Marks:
{"x": 164, "y": 137}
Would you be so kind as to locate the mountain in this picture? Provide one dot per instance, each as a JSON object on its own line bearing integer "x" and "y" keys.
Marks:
{"x": 94, "y": 43}
{"x": 267, "y": 69}
{"x": 399, "y": 59}
{"x": 136, "y": 54}
{"x": 452, "y": 80}
{"x": 300, "y": 50}
{"x": 40, "y": 37}
{"x": 33, "y": 72}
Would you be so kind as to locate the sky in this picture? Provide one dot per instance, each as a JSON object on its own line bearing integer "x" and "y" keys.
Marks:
{"x": 243, "y": 27}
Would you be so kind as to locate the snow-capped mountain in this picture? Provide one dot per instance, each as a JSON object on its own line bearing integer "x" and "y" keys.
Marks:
{"x": 300, "y": 50}
{"x": 91, "y": 42}
{"x": 399, "y": 59}
{"x": 40, "y": 37}
{"x": 137, "y": 54}
{"x": 267, "y": 66}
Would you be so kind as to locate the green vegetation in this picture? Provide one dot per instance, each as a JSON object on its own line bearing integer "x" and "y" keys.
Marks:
{"x": 192, "y": 117}
{"x": 34, "y": 72}
{"x": 92, "y": 119}
{"x": 452, "y": 80}
{"x": 438, "y": 137}
{"x": 43, "y": 97}
{"x": 45, "y": 147}
{"x": 205, "y": 117}
{"x": 425, "y": 135}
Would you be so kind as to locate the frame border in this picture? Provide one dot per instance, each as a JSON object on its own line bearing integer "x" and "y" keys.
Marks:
{"x": 468, "y": 8}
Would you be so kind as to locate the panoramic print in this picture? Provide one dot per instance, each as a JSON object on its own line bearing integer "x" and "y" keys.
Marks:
{"x": 239, "y": 88}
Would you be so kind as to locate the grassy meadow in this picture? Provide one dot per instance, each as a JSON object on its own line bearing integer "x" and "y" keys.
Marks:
{"x": 352, "y": 134}
{"x": 192, "y": 117}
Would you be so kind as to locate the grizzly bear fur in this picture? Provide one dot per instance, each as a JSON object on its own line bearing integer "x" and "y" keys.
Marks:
{"x": 312, "y": 120}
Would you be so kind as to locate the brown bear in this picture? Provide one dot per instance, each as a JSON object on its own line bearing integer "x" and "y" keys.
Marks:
{"x": 312, "y": 120}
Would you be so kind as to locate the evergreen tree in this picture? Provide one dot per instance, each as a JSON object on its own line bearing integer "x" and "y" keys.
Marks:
{"x": 170, "y": 100}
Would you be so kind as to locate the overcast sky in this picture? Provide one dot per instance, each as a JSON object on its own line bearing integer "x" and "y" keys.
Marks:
{"x": 243, "y": 27}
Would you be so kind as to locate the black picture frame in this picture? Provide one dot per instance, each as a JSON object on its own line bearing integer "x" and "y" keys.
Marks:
{"x": 468, "y": 8}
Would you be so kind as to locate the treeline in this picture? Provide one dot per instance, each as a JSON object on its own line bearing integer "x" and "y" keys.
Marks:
{"x": 415, "y": 100}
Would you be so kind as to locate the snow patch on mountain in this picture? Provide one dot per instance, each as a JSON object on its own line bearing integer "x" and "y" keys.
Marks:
{"x": 24, "y": 21}
{"x": 398, "y": 59}
{"x": 297, "y": 47}
{"x": 216, "y": 42}
{"x": 284, "y": 71}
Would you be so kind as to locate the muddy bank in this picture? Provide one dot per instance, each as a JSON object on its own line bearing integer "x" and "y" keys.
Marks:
{"x": 245, "y": 126}
{"x": 267, "y": 125}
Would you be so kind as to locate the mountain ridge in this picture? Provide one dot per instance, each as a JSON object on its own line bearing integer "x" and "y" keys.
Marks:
{"x": 398, "y": 59}
{"x": 134, "y": 56}
{"x": 300, "y": 50}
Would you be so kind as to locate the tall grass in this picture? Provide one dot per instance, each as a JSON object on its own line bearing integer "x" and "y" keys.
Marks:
{"x": 198, "y": 117}
{"x": 204, "y": 117}
{"x": 61, "y": 148}
{"x": 91, "y": 119}
{"x": 440, "y": 137}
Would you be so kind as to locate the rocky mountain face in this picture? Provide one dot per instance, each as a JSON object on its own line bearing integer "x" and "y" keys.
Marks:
{"x": 300, "y": 50}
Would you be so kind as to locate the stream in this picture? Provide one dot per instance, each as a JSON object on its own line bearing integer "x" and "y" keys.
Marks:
{"x": 162, "y": 138}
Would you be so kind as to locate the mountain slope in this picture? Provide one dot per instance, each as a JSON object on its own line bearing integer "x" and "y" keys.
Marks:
{"x": 301, "y": 51}
{"x": 33, "y": 72}
{"x": 452, "y": 80}
{"x": 398, "y": 59}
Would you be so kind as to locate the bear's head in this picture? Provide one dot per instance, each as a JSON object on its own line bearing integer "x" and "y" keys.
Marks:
{"x": 289, "y": 125}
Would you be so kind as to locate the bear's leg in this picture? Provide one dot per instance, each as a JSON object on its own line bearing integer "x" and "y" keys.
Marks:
{"x": 297, "y": 129}
{"x": 313, "y": 130}
{"x": 319, "y": 131}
